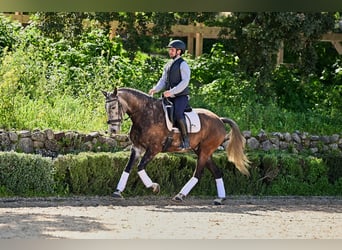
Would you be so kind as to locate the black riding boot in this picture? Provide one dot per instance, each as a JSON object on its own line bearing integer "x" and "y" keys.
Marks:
{"x": 183, "y": 129}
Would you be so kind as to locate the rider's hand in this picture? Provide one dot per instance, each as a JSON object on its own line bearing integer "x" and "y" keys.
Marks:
{"x": 167, "y": 93}
{"x": 151, "y": 92}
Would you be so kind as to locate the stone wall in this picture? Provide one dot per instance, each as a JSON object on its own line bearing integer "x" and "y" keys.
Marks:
{"x": 50, "y": 143}
{"x": 294, "y": 142}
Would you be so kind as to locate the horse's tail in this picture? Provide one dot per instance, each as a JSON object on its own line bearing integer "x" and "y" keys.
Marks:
{"x": 236, "y": 146}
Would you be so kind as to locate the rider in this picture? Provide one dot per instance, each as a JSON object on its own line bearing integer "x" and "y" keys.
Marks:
{"x": 175, "y": 81}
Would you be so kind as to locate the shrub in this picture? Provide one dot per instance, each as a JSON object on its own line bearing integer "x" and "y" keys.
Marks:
{"x": 8, "y": 33}
{"x": 99, "y": 173}
{"x": 89, "y": 173}
{"x": 300, "y": 175}
{"x": 25, "y": 175}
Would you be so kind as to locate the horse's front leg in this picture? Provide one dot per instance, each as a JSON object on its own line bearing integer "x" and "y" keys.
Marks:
{"x": 148, "y": 156}
{"x": 135, "y": 154}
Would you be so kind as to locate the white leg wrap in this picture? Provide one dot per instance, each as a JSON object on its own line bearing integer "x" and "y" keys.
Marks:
{"x": 221, "y": 192}
{"x": 123, "y": 180}
{"x": 189, "y": 185}
{"x": 145, "y": 179}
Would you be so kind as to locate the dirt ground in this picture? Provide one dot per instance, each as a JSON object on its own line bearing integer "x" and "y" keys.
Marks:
{"x": 158, "y": 217}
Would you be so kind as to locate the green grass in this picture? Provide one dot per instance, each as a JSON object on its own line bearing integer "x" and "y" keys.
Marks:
{"x": 63, "y": 113}
{"x": 67, "y": 113}
{"x": 272, "y": 118}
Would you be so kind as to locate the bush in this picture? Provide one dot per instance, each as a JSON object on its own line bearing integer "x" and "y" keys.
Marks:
{"x": 271, "y": 174}
{"x": 99, "y": 173}
{"x": 8, "y": 33}
{"x": 88, "y": 173}
{"x": 300, "y": 175}
{"x": 25, "y": 175}
{"x": 334, "y": 163}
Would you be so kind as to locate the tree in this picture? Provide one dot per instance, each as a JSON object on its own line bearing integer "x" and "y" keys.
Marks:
{"x": 135, "y": 28}
{"x": 58, "y": 25}
{"x": 259, "y": 36}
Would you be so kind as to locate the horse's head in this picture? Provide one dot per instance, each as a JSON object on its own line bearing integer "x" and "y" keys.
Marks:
{"x": 114, "y": 111}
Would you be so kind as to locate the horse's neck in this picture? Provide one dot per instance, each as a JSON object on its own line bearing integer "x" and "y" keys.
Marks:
{"x": 135, "y": 102}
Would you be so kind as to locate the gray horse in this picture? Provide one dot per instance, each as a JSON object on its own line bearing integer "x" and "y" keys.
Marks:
{"x": 149, "y": 134}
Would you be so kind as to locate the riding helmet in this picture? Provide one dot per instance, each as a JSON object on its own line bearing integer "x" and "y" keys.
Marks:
{"x": 178, "y": 44}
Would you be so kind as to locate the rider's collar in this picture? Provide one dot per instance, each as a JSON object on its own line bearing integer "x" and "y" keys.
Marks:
{"x": 176, "y": 57}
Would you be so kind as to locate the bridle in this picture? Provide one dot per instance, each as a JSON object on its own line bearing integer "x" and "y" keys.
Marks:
{"x": 120, "y": 111}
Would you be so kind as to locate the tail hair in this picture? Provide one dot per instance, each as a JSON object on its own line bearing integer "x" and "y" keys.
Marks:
{"x": 236, "y": 146}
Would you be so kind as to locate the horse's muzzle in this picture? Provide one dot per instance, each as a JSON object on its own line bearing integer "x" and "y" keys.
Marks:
{"x": 113, "y": 129}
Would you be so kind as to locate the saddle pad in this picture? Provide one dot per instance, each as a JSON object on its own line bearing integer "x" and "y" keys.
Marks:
{"x": 193, "y": 122}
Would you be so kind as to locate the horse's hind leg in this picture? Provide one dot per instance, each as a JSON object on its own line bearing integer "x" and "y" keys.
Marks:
{"x": 204, "y": 161}
{"x": 192, "y": 182}
{"x": 217, "y": 173}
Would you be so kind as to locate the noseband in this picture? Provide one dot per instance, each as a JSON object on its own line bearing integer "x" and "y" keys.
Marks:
{"x": 120, "y": 111}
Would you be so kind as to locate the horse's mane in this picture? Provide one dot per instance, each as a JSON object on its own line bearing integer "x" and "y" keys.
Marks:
{"x": 136, "y": 99}
{"x": 134, "y": 91}
{"x": 138, "y": 93}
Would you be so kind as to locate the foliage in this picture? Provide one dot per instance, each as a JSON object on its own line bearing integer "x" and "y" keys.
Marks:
{"x": 56, "y": 83}
{"x": 8, "y": 95}
{"x": 334, "y": 164}
{"x": 25, "y": 175}
{"x": 271, "y": 174}
{"x": 61, "y": 25}
{"x": 134, "y": 27}
{"x": 260, "y": 35}
{"x": 8, "y": 33}
{"x": 90, "y": 174}
{"x": 42, "y": 114}
{"x": 288, "y": 103}
{"x": 98, "y": 173}
{"x": 302, "y": 176}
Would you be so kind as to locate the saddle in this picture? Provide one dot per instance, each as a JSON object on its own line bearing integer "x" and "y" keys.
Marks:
{"x": 191, "y": 117}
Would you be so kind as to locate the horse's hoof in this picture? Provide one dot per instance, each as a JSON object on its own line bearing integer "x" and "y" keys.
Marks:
{"x": 117, "y": 195}
{"x": 155, "y": 188}
{"x": 219, "y": 201}
{"x": 178, "y": 198}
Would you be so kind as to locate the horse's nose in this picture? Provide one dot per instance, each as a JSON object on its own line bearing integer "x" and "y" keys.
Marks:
{"x": 112, "y": 129}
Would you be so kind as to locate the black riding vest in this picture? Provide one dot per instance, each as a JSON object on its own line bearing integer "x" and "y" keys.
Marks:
{"x": 174, "y": 76}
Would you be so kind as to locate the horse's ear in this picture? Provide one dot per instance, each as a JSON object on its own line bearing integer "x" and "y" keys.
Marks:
{"x": 115, "y": 91}
{"x": 104, "y": 93}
